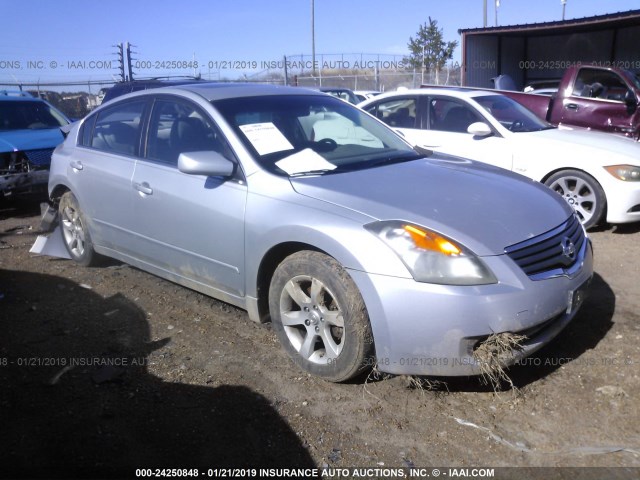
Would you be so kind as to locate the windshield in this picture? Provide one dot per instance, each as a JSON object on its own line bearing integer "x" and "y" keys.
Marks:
{"x": 29, "y": 115}
{"x": 511, "y": 114}
{"x": 303, "y": 134}
{"x": 632, "y": 77}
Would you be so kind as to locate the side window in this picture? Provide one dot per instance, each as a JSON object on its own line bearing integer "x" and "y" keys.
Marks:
{"x": 602, "y": 84}
{"x": 177, "y": 127}
{"x": 398, "y": 112}
{"x": 117, "y": 129}
{"x": 87, "y": 131}
{"x": 451, "y": 116}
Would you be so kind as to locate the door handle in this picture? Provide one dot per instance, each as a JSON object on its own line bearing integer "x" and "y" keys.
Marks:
{"x": 572, "y": 106}
{"x": 144, "y": 188}
{"x": 76, "y": 164}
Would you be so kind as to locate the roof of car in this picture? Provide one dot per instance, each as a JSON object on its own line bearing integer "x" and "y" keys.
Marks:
{"x": 457, "y": 92}
{"x": 219, "y": 91}
{"x": 17, "y": 96}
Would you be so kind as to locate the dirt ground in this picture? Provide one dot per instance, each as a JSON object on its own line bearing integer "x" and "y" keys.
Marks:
{"x": 104, "y": 370}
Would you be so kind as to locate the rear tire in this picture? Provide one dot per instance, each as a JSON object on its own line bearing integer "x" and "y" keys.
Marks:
{"x": 582, "y": 192}
{"x": 320, "y": 317}
{"x": 75, "y": 233}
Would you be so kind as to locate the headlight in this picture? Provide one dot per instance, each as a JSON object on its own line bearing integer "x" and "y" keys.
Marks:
{"x": 431, "y": 257}
{"x": 628, "y": 173}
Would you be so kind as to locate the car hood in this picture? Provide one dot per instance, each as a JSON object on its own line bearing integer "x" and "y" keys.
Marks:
{"x": 590, "y": 144}
{"x": 14, "y": 140}
{"x": 483, "y": 207}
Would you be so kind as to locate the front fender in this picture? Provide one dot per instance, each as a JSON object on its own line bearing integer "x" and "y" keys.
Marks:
{"x": 339, "y": 236}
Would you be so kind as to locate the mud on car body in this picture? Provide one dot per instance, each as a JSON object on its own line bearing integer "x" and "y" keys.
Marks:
{"x": 29, "y": 131}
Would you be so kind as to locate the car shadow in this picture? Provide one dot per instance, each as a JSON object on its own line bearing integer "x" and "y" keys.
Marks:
{"x": 622, "y": 228}
{"x": 627, "y": 228}
{"x": 77, "y": 399}
{"x": 19, "y": 208}
{"x": 583, "y": 333}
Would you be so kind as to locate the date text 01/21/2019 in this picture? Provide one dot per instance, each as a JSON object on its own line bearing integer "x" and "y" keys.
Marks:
{"x": 74, "y": 361}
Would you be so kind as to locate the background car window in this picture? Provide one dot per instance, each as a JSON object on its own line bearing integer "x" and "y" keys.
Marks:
{"x": 28, "y": 115}
{"x": 592, "y": 83}
{"x": 511, "y": 114}
{"x": 451, "y": 116}
{"x": 117, "y": 129}
{"x": 177, "y": 127}
{"x": 399, "y": 112}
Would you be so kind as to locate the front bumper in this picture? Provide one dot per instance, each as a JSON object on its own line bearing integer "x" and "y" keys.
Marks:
{"x": 623, "y": 202}
{"x": 425, "y": 329}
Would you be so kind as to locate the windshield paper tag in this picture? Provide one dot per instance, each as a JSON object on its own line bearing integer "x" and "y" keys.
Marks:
{"x": 305, "y": 161}
{"x": 266, "y": 138}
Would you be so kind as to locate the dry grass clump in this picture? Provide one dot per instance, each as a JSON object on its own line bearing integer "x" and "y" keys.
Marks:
{"x": 493, "y": 353}
{"x": 424, "y": 384}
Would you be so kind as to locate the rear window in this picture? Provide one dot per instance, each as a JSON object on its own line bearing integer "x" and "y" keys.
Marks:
{"x": 29, "y": 115}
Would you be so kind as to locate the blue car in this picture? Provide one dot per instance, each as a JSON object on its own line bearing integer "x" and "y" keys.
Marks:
{"x": 29, "y": 131}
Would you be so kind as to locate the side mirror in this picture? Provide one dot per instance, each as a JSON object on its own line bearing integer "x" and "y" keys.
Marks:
{"x": 208, "y": 163}
{"x": 480, "y": 129}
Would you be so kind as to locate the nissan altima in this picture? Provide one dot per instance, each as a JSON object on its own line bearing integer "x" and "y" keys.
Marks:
{"x": 312, "y": 214}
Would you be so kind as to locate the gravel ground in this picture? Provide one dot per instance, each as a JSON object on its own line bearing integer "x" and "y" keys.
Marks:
{"x": 105, "y": 370}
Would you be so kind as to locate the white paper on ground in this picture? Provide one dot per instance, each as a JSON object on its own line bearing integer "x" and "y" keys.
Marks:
{"x": 266, "y": 138}
{"x": 305, "y": 161}
{"x": 51, "y": 245}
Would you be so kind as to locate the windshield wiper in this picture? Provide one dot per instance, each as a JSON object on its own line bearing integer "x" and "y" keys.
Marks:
{"x": 392, "y": 160}
{"x": 320, "y": 171}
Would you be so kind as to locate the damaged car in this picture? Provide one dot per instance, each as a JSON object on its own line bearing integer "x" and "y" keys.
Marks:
{"x": 312, "y": 214}
{"x": 29, "y": 131}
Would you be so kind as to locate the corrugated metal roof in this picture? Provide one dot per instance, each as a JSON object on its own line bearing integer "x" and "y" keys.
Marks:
{"x": 631, "y": 16}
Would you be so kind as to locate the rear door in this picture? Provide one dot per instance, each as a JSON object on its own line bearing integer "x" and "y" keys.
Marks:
{"x": 101, "y": 172}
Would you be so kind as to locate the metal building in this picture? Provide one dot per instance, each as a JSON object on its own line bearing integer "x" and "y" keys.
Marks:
{"x": 542, "y": 51}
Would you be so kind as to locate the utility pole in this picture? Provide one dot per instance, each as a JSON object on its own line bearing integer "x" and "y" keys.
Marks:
{"x": 130, "y": 69}
{"x": 497, "y": 6}
{"x": 484, "y": 13}
{"x": 564, "y": 7}
{"x": 313, "y": 39}
{"x": 120, "y": 54}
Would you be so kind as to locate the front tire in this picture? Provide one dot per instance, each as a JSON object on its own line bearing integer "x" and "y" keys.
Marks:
{"x": 582, "y": 192}
{"x": 320, "y": 317}
{"x": 75, "y": 233}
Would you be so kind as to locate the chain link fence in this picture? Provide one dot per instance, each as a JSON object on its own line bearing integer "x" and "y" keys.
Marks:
{"x": 365, "y": 72}
{"x": 355, "y": 71}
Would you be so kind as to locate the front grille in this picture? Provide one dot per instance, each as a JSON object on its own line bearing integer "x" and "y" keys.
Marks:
{"x": 551, "y": 253}
{"x": 39, "y": 158}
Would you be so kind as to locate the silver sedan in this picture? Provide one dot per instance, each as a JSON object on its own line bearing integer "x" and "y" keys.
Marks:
{"x": 310, "y": 213}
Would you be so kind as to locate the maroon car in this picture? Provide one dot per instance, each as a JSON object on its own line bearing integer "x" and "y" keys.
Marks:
{"x": 592, "y": 97}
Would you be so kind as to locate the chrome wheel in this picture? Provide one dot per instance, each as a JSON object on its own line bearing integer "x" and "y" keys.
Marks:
{"x": 312, "y": 319}
{"x": 73, "y": 231}
{"x": 320, "y": 317}
{"x": 582, "y": 192}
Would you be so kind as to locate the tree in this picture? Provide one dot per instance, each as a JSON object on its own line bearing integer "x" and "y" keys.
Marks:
{"x": 428, "y": 49}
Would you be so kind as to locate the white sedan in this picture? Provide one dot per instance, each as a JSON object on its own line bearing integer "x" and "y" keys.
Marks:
{"x": 598, "y": 174}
